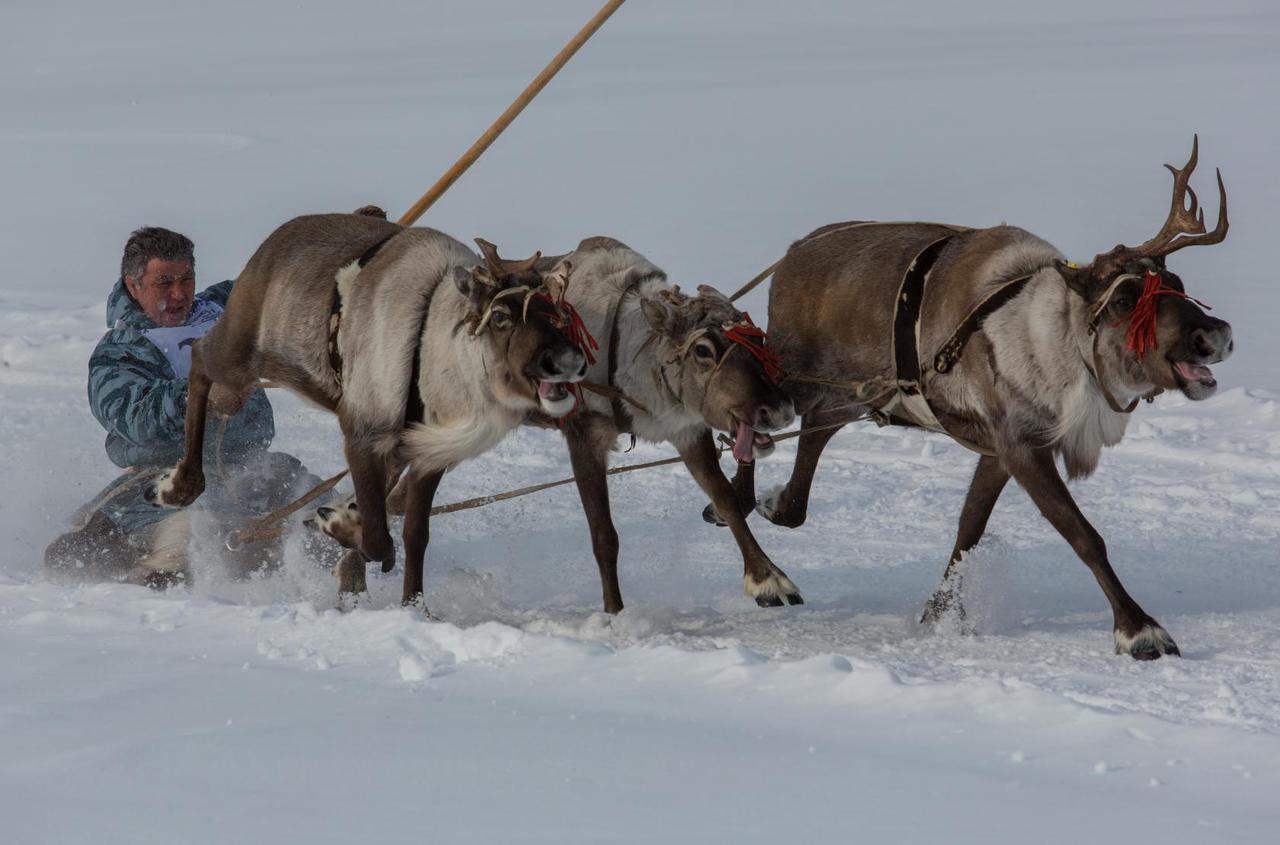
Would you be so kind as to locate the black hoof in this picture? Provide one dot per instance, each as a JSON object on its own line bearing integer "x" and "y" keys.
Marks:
{"x": 388, "y": 565}
{"x": 794, "y": 598}
{"x": 151, "y": 496}
{"x": 1150, "y": 643}
{"x": 768, "y": 601}
{"x": 711, "y": 516}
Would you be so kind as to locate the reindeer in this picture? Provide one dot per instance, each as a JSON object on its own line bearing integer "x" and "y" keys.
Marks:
{"x": 1033, "y": 358}
{"x": 428, "y": 356}
{"x": 673, "y": 368}
{"x": 678, "y": 366}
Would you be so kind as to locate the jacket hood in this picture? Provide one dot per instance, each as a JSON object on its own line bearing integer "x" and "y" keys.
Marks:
{"x": 121, "y": 308}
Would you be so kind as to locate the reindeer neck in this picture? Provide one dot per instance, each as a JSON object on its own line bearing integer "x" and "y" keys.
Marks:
{"x": 645, "y": 373}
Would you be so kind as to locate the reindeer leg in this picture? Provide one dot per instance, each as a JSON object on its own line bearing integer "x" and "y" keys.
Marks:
{"x": 744, "y": 487}
{"x": 420, "y": 492}
{"x": 789, "y": 506}
{"x": 589, "y": 472}
{"x": 761, "y": 579}
{"x": 1136, "y": 633}
{"x": 368, "y": 476}
{"x": 184, "y": 483}
{"x": 398, "y": 481}
{"x": 351, "y": 579}
{"x": 989, "y": 480}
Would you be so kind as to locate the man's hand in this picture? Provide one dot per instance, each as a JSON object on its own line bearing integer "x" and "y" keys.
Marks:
{"x": 226, "y": 403}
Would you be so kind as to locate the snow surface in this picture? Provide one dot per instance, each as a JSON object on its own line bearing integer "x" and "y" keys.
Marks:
{"x": 708, "y": 135}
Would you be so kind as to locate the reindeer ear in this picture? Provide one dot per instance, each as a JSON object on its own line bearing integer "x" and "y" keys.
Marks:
{"x": 475, "y": 284}
{"x": 1079, "y": 279}
{"x": 462, "y": 280}
{"x": 708, "y": 292}
{"x": 663, "y": 316}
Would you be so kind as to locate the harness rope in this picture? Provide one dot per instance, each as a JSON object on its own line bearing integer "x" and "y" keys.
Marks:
{"x": 269, "y": 533}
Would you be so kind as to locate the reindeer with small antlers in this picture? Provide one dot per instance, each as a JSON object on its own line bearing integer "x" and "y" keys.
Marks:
{"x": 428, "y": 355}
{"x": 991, "y": 337}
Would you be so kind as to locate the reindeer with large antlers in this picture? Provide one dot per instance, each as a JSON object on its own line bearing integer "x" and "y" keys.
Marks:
{"x": 428, "y": 356}
{"x": 991, "y": 337}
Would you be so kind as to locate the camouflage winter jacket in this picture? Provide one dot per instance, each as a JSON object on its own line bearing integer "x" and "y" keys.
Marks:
{"x": 139, "y": 397}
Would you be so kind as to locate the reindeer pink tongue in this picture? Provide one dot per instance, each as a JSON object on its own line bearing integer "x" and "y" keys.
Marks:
{"x": 1194, "y": 372}
{"x": 743, "y": 439}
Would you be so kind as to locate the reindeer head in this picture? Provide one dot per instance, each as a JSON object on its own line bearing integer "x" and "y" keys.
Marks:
{"x": 341, "y": 522}
{"x": 718, "y": 368}
{"x": 1147, "y": 332}
{"x": 519, "y": 314}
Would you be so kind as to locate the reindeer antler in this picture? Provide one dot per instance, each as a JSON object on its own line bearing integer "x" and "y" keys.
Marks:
{"x": 1185, "y": 223}
{"x": 500, "y": 267}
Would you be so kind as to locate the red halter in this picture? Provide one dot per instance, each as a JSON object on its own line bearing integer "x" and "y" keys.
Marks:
{"x": 1141, "y": 335}
{"x": 580, "y": 336}
{"x": 753, "y": 339}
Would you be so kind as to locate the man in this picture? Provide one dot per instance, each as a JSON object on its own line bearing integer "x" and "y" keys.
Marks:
{"x": 138, "y": 392}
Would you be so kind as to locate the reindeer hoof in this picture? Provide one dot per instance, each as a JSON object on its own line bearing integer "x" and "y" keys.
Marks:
{"x": 770, "y": 507}
{"x": 164, "y": 492}
{"x": 1151, "y": 642}
{"x": 711, "y": 516}
{"x": 381, "y": 549}
{"x": 769, "y": 592}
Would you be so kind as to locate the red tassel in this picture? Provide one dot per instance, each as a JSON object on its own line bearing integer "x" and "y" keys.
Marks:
{"x": 579, "y": 336}
{"x": 1141, "y": 334}
{"x": 753, "y": 339}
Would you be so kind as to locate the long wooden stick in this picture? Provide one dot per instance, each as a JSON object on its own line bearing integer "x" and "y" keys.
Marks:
{"x": 468, "y": 158}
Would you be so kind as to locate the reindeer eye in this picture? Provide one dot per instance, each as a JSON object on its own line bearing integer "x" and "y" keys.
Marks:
{"x": 1123, "y": 303}
{"x": 500, "y": 319}
{"x": 704, "y": 350}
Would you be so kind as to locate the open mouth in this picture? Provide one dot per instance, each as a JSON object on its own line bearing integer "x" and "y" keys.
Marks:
{"x": 1188, "y": 374}
{"x": 749, "y": 444}
{"x": 555, "y": 397}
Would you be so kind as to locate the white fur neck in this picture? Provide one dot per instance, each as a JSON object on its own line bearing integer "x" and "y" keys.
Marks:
{"x": 1041, "y": 339}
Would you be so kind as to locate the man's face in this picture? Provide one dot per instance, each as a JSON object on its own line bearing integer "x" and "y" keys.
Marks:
{"x": 165, "y": 292}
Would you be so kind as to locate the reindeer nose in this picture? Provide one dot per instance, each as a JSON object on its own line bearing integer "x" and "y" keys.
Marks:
{"x": 771, "y": 417}
{"x": 1213, "y": 343}
{"x": 562, "y": 363}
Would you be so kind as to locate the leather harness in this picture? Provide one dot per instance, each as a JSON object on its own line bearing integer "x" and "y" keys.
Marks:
{"x": 908, "y": 404}
{"x": 335, "y": 310}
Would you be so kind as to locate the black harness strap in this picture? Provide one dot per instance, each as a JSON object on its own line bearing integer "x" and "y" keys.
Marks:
{"x": 335, "y": 310}
{"x": 621, "y": 416}
{"x": 906, "y": 316}
{"x": 950, "y": 351}
{"x": 414, "y": 410}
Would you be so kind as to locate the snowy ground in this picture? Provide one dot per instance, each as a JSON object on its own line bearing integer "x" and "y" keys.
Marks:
{"x": 708, "y": 135}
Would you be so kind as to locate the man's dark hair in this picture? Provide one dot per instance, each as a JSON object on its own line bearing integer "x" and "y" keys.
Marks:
{"x": 154, "y": 242}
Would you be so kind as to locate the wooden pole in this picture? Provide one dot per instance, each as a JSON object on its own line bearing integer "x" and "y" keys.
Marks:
{"x": 468, "y": 158}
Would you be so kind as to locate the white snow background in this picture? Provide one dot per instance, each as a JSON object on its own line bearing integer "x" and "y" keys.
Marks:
{"x": 708, "y": 135}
